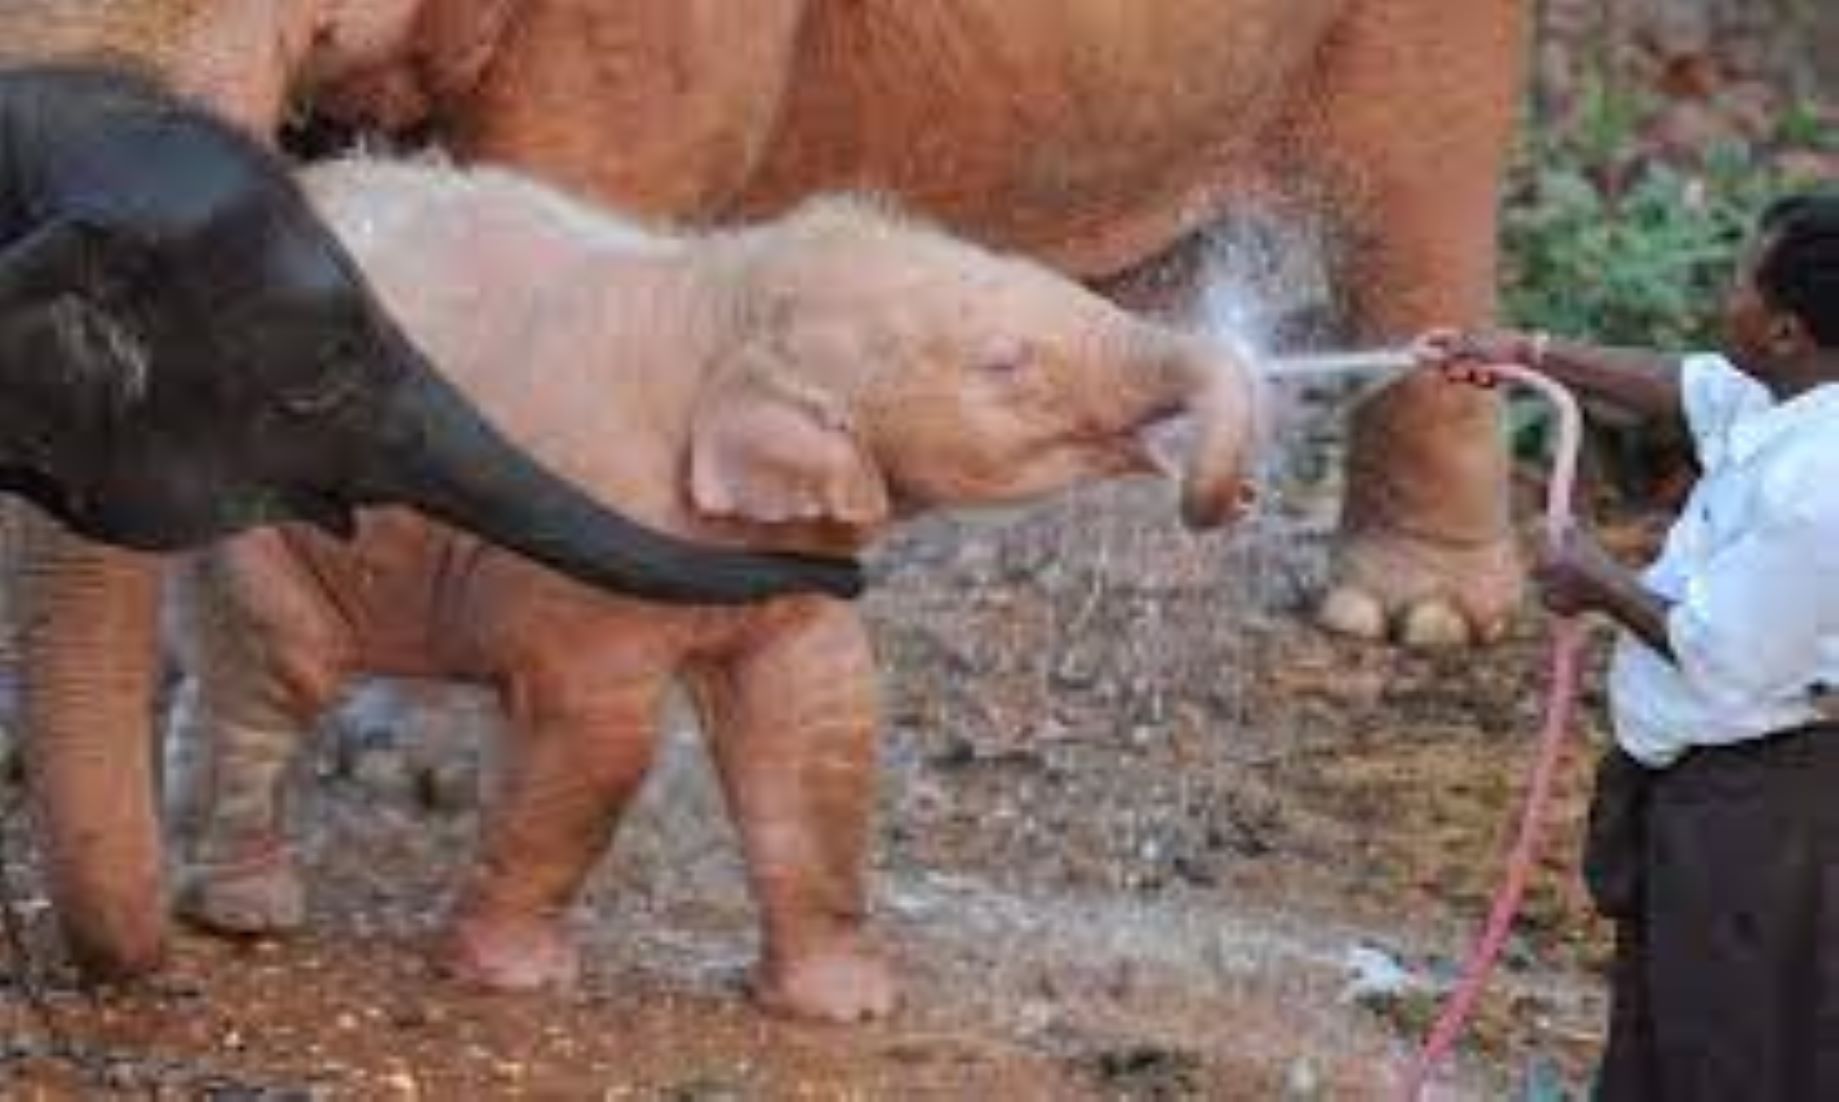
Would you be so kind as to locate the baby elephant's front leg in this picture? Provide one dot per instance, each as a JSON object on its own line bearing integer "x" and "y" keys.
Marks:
{"x": 580, "y": 747}
{"x": 793, "y": 728}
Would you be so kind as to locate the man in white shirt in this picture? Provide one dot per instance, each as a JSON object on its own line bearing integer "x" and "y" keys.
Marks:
{"x": 1715, "y": 827}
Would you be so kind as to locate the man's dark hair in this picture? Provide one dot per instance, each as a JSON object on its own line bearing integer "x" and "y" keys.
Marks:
{"x": 1800, "y": 271}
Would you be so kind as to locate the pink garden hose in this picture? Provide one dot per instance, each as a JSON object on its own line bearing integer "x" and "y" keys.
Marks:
{"x": 1560, "y": 708}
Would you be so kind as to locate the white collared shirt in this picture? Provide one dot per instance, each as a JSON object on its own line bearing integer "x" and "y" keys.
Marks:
{"x": 1752, "y": 566}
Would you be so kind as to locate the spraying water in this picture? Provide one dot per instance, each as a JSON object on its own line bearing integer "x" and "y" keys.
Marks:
{"x": 1264, "y": 284}
{"x": 1380, "y": 365}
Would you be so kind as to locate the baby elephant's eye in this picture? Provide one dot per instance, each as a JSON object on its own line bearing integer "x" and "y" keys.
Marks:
{"x": 1004, "y": 357}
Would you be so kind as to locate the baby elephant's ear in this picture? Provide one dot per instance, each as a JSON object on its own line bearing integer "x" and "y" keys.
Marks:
{"x": 766, "y": 447}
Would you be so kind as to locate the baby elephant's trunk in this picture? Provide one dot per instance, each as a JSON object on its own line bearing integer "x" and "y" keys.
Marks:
{"x": 440, "y": 457}
{"x": 1222, "y": 393}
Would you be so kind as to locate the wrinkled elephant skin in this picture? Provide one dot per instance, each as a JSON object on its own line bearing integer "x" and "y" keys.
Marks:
{"x": 801, "y": 384}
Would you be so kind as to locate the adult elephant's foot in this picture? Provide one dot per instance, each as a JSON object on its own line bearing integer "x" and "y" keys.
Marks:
{"x": 511, "y": 954}
{"x": 261, "y": 895}
{"x": 1427, "y": 555}
{"x": 1423, "y": 593}
{"x": 843, "y": 980}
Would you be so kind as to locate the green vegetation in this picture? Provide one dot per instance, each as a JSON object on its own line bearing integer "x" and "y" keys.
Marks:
{"x": 1607, "y": 239}
{"x": 1603, "y": 240}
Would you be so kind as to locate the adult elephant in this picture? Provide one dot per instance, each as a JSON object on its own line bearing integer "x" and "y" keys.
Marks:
{"x": 1096, "y": 135}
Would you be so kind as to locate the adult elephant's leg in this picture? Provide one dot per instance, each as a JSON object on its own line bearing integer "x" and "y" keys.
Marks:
{"x": 1426, "y": 548}
{"x": 793, "y": 728}
{"x": 86, "y": 617}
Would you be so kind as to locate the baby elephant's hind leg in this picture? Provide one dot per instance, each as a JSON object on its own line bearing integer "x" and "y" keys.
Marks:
{"x": 240, "y": 876}
{"x": 793, "y": 727}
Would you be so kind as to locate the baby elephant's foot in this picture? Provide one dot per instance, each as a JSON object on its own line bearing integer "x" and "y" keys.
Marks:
{"x": 511, "y": 954}
{"x": 262, "y": 895}
{"x": 843, "y": 981}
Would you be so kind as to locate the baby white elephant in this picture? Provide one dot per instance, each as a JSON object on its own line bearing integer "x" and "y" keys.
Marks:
{"x": 798, "y": 385}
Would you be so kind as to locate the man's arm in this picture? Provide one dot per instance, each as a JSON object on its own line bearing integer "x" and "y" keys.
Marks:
{"x": 1639, "y": 609}
{"x": 1642, "y": 381}
{"x": 1581, "y": 577}
{"x": 1639, "y": 380}
{"x": 1755, "y": 615}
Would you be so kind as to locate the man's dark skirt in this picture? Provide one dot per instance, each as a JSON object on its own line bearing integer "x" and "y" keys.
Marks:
{"x": 1722, "y": 874}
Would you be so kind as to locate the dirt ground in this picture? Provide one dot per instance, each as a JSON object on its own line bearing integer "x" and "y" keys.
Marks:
{"x": 1145, "y": 834}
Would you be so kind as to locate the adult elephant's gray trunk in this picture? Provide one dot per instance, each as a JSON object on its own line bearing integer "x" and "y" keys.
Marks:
{"x": 443, "y": 459}
{"x": 1219, "y": 389}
